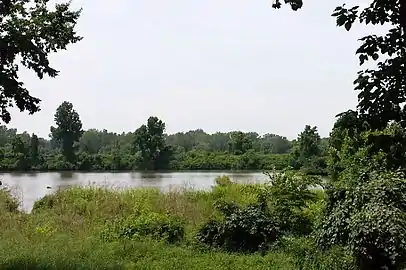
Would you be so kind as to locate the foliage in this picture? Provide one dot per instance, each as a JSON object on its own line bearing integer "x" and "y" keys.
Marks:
{"x": 150, "y": 142}
{"x": 307, "y": 152}
{"x": 365, "y": 210}
{"x": 21, "y": 158}
{"x": 223, "y": 181}
{"x": 382, "y": 91}
{"x": 239, "y": 143}
{"x": 272, "y": 143}
{"x": 365, "y": 207}
{"x": 309, "y": 256}
{"x": 155, "y": 225}
{"x": 46, "y": 202}
{"x": 64, "y": 232}
{"x": 294, "y": 4}
{"x": 368, "y": 216}
{"x": 34, "y": 150}
{"x": 202, "y": 160}
{"x": 370, "y": 150}
{"x": 278, "y": 211}
{"x": 68, "y": 129}
{"x": 31, "y": 31}
{"x": 148, "y": 148}
{"x": 243, "y": 229}
{"x": 288, "y": 194}
{"x": 7, "y": 202}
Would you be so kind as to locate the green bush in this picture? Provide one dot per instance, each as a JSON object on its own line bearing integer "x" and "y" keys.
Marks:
{"x": 7, "y": 202}
{"x": 280, "y": 207}
{"x": 369, "y": 218}
{"x": 242, "y": 229}
{"x": 223, "y": 181}
{"x": 288, "y": 196}
{"x": 154, "y": 225}
{"x": 46, "y": 202}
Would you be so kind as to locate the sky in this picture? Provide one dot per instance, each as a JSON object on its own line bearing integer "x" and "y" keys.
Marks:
{"x": 215, "y": 65}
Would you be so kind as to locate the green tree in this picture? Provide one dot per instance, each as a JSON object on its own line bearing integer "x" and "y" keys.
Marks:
{"x": 34, "y": 152}
{"x": 68, "y": 129}
{"x": 30, "y": 31}
{"x": 307, "y": 145}
{"x": 219, "y": 142}
{"x": 149, "y": 140}
{"x": 116, "y": 156}
{"x": 307, "y": 153}
{"x": 239, "y": 143}
{"x": 382, "y": 90}
{"x": 21, "y": 153}
{"x": 272, "y": 143}
{"x": 366, "y": 204}
{"x": 191, "y": 140}
{"x": 6, "y": 135}
{"x": 91, "y": 141}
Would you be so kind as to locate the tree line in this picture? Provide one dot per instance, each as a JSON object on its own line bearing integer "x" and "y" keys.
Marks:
{"x": 150, "y": 148}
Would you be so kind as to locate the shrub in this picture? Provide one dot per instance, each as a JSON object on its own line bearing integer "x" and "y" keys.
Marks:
{"x": 315, "y": 211}
{"x": 223, "y": 181}
{"x": 46, "y": 202}
{"x": 7, "y": 202}
{"x": 288, "y": 197}
{"x": 243, "y": 229}
{"x": 369, "y": 218}
{"x": 154, "y": 225}
{"x": 279, "y": 209}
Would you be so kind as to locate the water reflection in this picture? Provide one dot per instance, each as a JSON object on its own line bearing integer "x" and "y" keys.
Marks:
{"x": 66, "y": 175}
{"x": 30, "y": 174}
{"x": 146, "y": 175}
{"x": 20, "y": 174}
{"x": 151, "y": 179}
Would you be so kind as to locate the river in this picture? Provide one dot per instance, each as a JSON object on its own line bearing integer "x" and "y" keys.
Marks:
{"x": 29, "y": 187}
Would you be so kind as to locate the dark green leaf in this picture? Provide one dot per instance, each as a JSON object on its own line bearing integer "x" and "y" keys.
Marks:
{"x": 348, "y": 25}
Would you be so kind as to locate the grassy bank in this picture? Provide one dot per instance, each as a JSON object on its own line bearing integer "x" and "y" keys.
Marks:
{"x": 86, "y": 228}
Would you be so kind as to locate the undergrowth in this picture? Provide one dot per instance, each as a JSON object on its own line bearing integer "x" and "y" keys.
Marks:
{"x": 97, "y": 228}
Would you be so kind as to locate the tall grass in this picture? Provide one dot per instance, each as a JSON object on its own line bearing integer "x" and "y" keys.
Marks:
{"x": 65, "y": 231}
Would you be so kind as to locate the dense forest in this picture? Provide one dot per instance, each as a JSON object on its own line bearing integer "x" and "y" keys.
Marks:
{"x": 150, "y": 148}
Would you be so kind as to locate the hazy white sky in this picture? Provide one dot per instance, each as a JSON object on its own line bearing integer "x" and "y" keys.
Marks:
{"x": 218, "y": 65}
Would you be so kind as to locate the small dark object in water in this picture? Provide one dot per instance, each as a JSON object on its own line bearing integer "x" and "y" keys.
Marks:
{"x": 1, "y": 183}
{"x": 48, "y": 187}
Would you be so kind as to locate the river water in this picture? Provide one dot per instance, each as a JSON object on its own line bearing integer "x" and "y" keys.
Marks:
{"x": 29, "y": 187}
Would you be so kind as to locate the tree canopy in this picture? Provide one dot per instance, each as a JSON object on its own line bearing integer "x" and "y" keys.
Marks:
{"x": 29, "y": 32}
{"x": 68, "y": 129}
